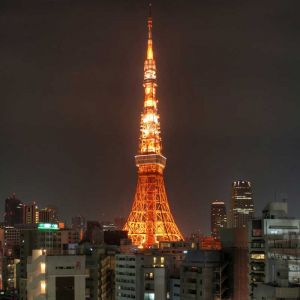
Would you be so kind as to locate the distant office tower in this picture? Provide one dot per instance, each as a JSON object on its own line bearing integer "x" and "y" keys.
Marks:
{"x": 94, "y": 232}
{"x": 13, "y": 211}
{"x": 78, "y": 222}
{"x": 242, "y": 207}
{"x": 108, "y": 226}
{"x": 48, "y": 215}
{"x": 31, "y": 213}
{"x": 218, "y": 217}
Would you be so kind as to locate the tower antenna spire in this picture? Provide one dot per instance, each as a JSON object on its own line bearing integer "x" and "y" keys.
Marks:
{"x": 149, "y": 23}
{"x": 150, "y": 10}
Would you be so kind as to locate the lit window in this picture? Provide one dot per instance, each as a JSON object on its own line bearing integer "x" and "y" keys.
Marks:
{"x": 258, "y": 256}
{"x": 43, "y": 268}
{"x": 43, "y": 287}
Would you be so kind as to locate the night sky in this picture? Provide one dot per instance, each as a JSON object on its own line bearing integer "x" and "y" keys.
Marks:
{"x": 71, "y": 96}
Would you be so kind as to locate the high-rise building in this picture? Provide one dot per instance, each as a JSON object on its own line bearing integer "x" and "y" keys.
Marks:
{"x": 48, "y": 215}
{"x": 218, "y": 217}
{"x": 94, "y": 232}
{"x": 13, "y": 211}
{"x": 274, "y": 256}
{"x": 31, "y": 213}
{"x": 79, "y": 222}
{"x": 242, "y": 206}
{"x": 150, "y": 219}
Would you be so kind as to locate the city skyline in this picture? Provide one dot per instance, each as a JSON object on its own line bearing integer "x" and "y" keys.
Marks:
{"x": 71, "y": 92}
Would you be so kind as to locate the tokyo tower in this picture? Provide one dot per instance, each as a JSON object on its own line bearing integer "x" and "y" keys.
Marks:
{"x": 150, "y": 219}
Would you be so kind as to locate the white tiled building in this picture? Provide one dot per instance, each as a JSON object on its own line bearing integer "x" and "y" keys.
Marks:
{"x": 141, "y": 276}
{"x": 50, "y": 276}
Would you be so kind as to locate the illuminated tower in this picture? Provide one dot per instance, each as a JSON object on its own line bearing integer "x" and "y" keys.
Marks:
{"x": 150, "y": 219}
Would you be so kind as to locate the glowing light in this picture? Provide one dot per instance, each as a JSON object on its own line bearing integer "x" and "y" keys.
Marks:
{"x": 258, "y": 256}
{"x": 150, "y": 103}
{"x": 150, "y": 51}
{"x": 43, "y": 268}
{"x": 150, "y": 74}
{"x": 47, "y": 226}
{"x": 150, "y": 118}
{"x": 43, "y": 287}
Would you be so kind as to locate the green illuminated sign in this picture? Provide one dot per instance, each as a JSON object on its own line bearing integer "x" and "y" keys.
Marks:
{"x": 47, "y": 226}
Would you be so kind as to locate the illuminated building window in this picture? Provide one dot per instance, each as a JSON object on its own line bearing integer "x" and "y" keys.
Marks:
{"x": 149, "y": 276}
{"x": 43, "y": 287}
{"x": 43, "y": 268}
{"x": 149, "y": 296}
{"x": 258, "y": 256}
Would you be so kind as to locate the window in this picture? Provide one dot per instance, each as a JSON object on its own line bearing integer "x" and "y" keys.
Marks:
{"x": 258, "y": 256}
{"x": 43, "y": 268}
{"x": 43, "y": 287}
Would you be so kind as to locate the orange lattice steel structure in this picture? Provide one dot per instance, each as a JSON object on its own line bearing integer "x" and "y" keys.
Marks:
{"x": 150, "y": 219}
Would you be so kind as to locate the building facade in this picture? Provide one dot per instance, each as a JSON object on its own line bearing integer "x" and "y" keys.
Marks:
{"x": 31, "y": 213}
{"x": 13, "y": 211}
{"x": 141, "y": 276}
{"x": 274, "y": 254}
{"x": 48, "y": 215}
{"x": 218, "y": 217}
{"x": 55, "y": 276}
{"x": 203, "y": 276}
{"x": 241, "y": 206}
{"x": 235, "y": 248}
{"x": 51, "y": 239}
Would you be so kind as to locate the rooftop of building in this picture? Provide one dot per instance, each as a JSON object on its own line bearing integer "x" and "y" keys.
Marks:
{"x": 202, "y": 256}
{"x": 276, "y": 210}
